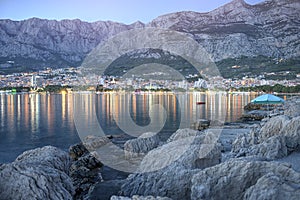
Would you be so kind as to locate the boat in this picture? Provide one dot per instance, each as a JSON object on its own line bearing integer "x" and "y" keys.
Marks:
{"x": 200, "y": 102}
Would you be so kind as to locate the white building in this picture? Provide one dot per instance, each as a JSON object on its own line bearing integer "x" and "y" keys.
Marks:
{"x": 201, "y": 83}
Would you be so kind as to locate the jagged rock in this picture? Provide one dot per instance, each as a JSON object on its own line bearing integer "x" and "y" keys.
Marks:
{"x": 40, "y": 173}
{"x": 292, "y": 107}
{"x": 277, "y": 137}
{"x": 167, "y": 170}
{"x": 216, "y": 123}
{"x": 89, "y": 144}
{"x": 77, "y": 150}
{"x": 191, "y": 152}
{"x": 272, "y": 127}
{"x": 255, "y": 115}
{"x": 93, "y": 142}
{"x": 236, "y": 180}
{"x": 272, "y": 148}
{"x": 272, "y": 186}
{"x": 141, "y": 145}
{"x": 136, "y": 197}
{"x": 241, "y": 144}
{"x": 291, "y": 132}
{"x": 85, "y": 169}
{"x": 85, "y": 172}
{"x": 293, "y": 159}
{"x": 252, "y": 106}
{"x": 48, "y": 156}
{"x": 172, "y": 182}
{"x": 200, "y": 124}
{"x": 182, "y": 133}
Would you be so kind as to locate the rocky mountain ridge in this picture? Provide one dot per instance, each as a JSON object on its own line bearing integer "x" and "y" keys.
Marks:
{"x": 270, "y": 29}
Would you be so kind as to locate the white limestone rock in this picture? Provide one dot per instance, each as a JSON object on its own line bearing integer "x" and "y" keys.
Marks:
{"x": 272, "y": 186}
{"x": 272, "y": 127}
{"x": 236, "y": 180}
{"x": 277, "y": 138}
{"x": 141, "y": 145}
{"x": 137, "y": 197}
{"x": 167, "y": 170}
{"x": 40, "y": 173}
{"x": 291, "y": 132}
{"x": 182, "y": 133}
{"x": 92, "y": 142}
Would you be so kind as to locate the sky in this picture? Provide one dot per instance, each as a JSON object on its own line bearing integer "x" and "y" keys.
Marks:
{"x": 124, "y": 11}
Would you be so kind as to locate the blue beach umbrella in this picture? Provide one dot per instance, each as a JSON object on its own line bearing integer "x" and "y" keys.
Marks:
{"x": 267, "y": 99}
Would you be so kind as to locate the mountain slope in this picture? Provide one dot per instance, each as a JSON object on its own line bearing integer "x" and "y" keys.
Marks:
{"x": 269, "y": 29}
{"x": 43, "y": 42}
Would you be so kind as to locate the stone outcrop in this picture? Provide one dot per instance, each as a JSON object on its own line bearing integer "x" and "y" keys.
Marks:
{"x": 255, "y": 115}
{"x": 136, "y": 197}
{"x": 246, "y": 180}
{"x": 272, "y": 186}
{"x": 85, "y": 168}
{"x": 200, "y": 124}
{"x": 252, "y": 106}
{"x": 168, "y": 169}
{"x": 272, "y": 148}
{"x": 141, "y": 145}
{"x": 194, "y": 152}
{"x": 272, "y": 127}
{"x": 40, "y": 173}
{"x": 172, "y": 182}
{"x": 274, "y": 138}
{"x": 77, "y": 150}
{"x": 85, "y": 172}
{"x": 182, "y": 133}
{"x": 292, "y": 108}
{"x": 92, "y": 143}
{"x": 291, "y": 132}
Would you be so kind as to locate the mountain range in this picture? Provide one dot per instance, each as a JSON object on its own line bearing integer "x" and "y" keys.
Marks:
{"x": 231, "y": 34}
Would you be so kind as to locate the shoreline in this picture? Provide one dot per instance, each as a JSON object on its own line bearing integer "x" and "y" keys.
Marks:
{"x": 2, "y": 92}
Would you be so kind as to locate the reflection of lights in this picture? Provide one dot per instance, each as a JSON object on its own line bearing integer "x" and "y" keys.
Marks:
{"x": 63, "y": 92}
{"x": 134, "y": 105}
{"x": 49, "y": 112}
{"x": 18, "y": 109}
{"x": 70, "y": 102}
{"x": 174, "y": 106}
{"x": 26, "y": 110}
{"x": 2, "y": 109}
{"x": 116, "y": 107}
{"x": 63, "y": 106}
{"x": 32, "y": 111}
{"x": 11, "y": 112}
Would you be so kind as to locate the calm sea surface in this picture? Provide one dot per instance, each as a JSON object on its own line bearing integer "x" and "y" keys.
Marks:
{"x": 35, "y": 120}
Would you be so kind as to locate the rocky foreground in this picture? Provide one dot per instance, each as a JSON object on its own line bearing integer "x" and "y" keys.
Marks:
{"x": 262, "y": 163}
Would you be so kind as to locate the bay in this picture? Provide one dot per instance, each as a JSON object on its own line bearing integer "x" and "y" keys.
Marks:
{"x": 34, "y": 120}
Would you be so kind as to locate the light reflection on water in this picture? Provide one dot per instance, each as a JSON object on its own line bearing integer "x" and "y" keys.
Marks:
{"x": 35, "y": 120}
